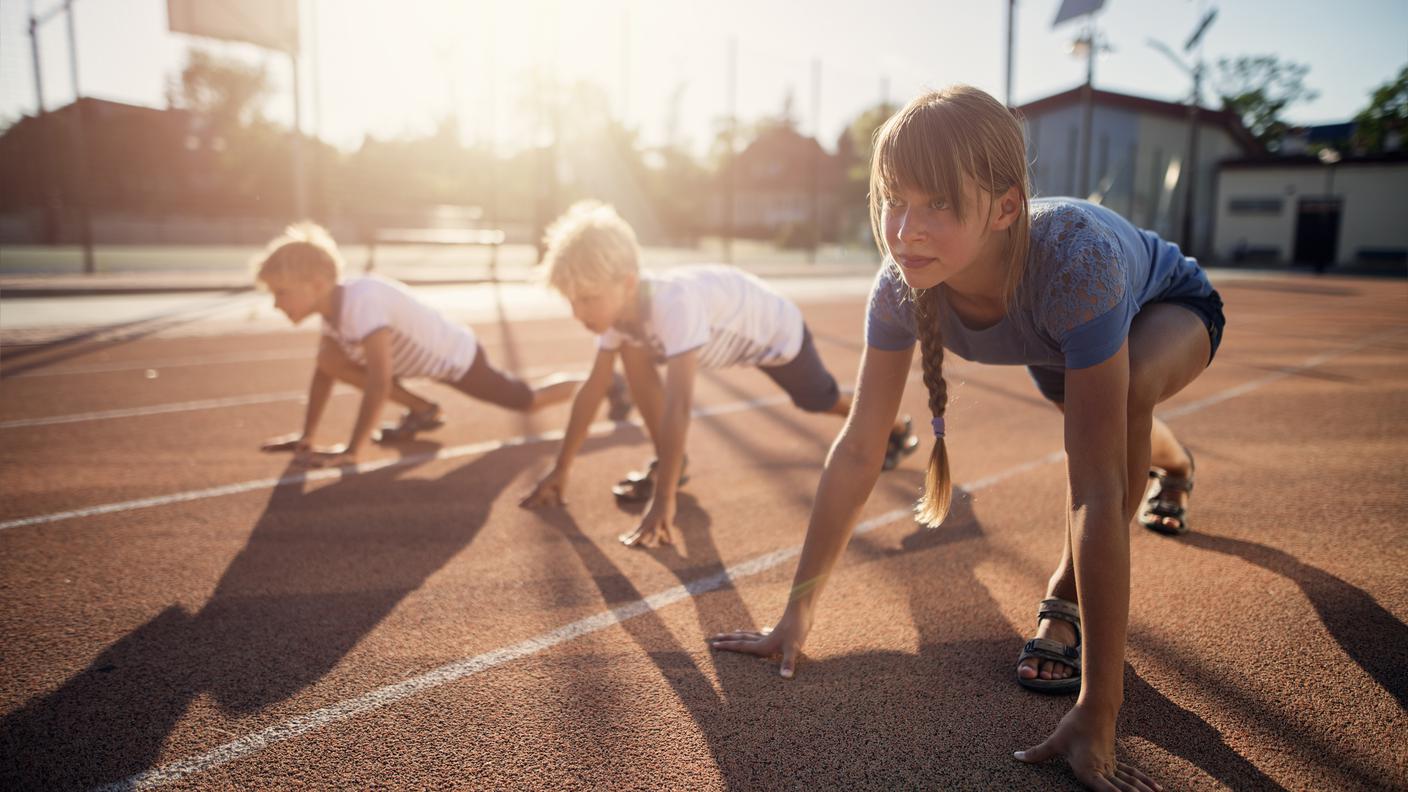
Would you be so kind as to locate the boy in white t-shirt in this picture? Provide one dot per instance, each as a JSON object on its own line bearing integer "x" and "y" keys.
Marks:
{"x": 685, "y": 319}
{"x": 375, "y": 333}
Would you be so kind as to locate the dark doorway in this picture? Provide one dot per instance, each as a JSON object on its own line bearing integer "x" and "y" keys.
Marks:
{"x": 1317, "y": 231}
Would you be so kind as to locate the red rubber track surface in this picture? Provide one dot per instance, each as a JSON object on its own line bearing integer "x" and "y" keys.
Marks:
{"x": 251, "y": 639}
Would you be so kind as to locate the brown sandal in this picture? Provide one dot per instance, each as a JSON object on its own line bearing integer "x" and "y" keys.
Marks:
{"x": 1158, "y": 507}
{"x": 1055, "y": 651}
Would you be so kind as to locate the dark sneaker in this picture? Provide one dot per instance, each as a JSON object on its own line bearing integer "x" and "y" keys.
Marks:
{"x": 901, "y": 445}
{"x": 618, "y": 399}
{"x": 411, "y": 423}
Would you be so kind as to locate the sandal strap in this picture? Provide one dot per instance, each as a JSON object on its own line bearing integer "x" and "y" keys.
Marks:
{"x": 1163, "y": 508}
{"x": 1181, "y": 484}
{"x": 1054, "y": 651}
{"x": 1063, "y": 609}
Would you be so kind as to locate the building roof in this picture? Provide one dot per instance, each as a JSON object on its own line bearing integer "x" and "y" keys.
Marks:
{"x": 1225, "y": 119}
{"x": 1312, "y": 161}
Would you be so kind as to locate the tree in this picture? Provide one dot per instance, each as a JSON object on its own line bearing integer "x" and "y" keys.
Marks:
{"x": 227, "y": 93}
{"x": 1258, "y": 88}
{"x": 1386, "y": 115}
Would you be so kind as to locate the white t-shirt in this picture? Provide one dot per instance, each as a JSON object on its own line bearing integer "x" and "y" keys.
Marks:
{"x": 424, "y": 342}
{"x": 730, "y": 316}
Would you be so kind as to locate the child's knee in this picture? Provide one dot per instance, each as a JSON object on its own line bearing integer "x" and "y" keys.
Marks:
{"x": 818, "y": 400}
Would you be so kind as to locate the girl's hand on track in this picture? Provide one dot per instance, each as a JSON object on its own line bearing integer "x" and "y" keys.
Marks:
{"x": 783, "y": 641}
{"x": 1087, "y": 742}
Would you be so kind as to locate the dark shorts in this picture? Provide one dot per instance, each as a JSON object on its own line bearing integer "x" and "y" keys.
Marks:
{"x": 1051, "y": 380}
{"x": 486, "y": 383}
{"x": 805, "y": 378}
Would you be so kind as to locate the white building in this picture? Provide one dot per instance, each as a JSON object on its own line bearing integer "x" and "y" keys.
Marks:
{"x": 1304, "y": 210}
{"x": 1138, "y": 153}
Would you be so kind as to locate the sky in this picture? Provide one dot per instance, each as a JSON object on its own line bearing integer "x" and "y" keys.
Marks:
{"x": 389, "y": 69}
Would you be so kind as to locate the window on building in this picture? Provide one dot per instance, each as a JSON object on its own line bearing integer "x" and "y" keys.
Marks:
{"x": 1255, "y": 206}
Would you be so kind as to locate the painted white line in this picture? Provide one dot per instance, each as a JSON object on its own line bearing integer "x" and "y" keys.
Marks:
{"x": 162, "y": 409}
{"x": 306, "y": 353}
{"x": 461, "y": 669}
{"x": 205, "y": 360}
{"x": 204, "y": 404}
{"x": 1289, "y": 371}
{"x": 599, "y": 428}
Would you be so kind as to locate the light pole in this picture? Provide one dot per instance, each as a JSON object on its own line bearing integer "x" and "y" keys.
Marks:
{"x": 1196, "y": 72}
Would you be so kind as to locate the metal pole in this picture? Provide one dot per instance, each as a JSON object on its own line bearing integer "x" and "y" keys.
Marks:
{"x": 814, "y": 237}
{"x": 1086, "y": 130}
{"x": 81, "y": 148}
{"x": 492, "y": 150}
{"x": 317, "y": 197}
{"x": 34, "y": 49}
{"x": 1190, "y": 196}
{"x": 300, "y": 180}
{"x": 728, "y": 155}
{"x": 1011, "y": 16}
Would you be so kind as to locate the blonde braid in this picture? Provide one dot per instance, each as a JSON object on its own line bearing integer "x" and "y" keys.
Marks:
{"x": 933, "y": 503}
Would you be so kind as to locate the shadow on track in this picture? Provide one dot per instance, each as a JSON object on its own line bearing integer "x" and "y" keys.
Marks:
{"x": 1370, "y": 635}
{"x": 952, "y": 551}
{"x": 320, "y": 570}
{"x": 82, "y": 343}
{"x": 945, "y": 716}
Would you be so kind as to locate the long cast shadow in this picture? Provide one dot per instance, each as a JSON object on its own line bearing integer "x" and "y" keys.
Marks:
{"x": 320, "y": 570}
{"x": 941, "y": 717}
{"x": 1369, "y": 634}
{"x": 82, "y": 343}
{"x": 1146, "y": 713}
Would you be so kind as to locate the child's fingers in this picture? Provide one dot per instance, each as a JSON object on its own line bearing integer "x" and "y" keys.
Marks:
{"x": 788, "y": 669}
{"x": 1040, "y": 753}
{"x": 737, "y": 635}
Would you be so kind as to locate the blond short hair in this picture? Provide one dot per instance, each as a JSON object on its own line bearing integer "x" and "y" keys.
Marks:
{"x": 589, "y": 246}
{"x": 304, "y": 251}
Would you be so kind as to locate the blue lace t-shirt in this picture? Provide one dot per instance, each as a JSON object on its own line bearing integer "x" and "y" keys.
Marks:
{"x": 1089, "y": 271}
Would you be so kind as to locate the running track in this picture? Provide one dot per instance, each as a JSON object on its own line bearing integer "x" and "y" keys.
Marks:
{"x": 180, "y": 611}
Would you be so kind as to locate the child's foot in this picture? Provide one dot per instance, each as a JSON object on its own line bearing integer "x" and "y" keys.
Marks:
{"x": 412, "y": 422}
{"x": 902, "y": 443}
{"x": 1166, "y": 501}
{"x": 1050, "y": 662}
{"x": 618, "y": 399}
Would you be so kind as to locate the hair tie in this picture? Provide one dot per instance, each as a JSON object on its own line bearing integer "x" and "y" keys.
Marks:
{"x": 938, "y": 424}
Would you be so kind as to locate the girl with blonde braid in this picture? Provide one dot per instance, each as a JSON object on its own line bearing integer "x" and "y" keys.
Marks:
{"x": 1110, "y": 320}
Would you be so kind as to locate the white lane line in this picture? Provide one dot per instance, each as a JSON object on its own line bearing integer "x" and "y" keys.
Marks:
{"x": 460, "y": 669}
{"x": 203, "y": 404}
{"x": 162, "y": 409}
{"x": 204, "y": 360}
{"x": 307, "y": 353}
{"x": 451, "y": 672}
{"x": 599, "y": 428}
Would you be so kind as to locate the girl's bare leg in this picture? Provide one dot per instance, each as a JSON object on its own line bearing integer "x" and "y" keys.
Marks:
{"x": 1168, "y": 349}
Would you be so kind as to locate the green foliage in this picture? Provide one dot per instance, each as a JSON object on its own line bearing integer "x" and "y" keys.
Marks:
{"x": 1387, "y": 112}
{"x": 1258, "y": 88}
{"x": 228, "y": 93}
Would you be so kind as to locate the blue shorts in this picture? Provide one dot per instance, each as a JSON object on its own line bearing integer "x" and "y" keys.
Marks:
{"x": 805, "y": 378}
{"x": 1051, "y": 380}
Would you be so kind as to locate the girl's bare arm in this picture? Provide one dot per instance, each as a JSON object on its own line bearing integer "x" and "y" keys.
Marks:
{"x": 852, "y": 466}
